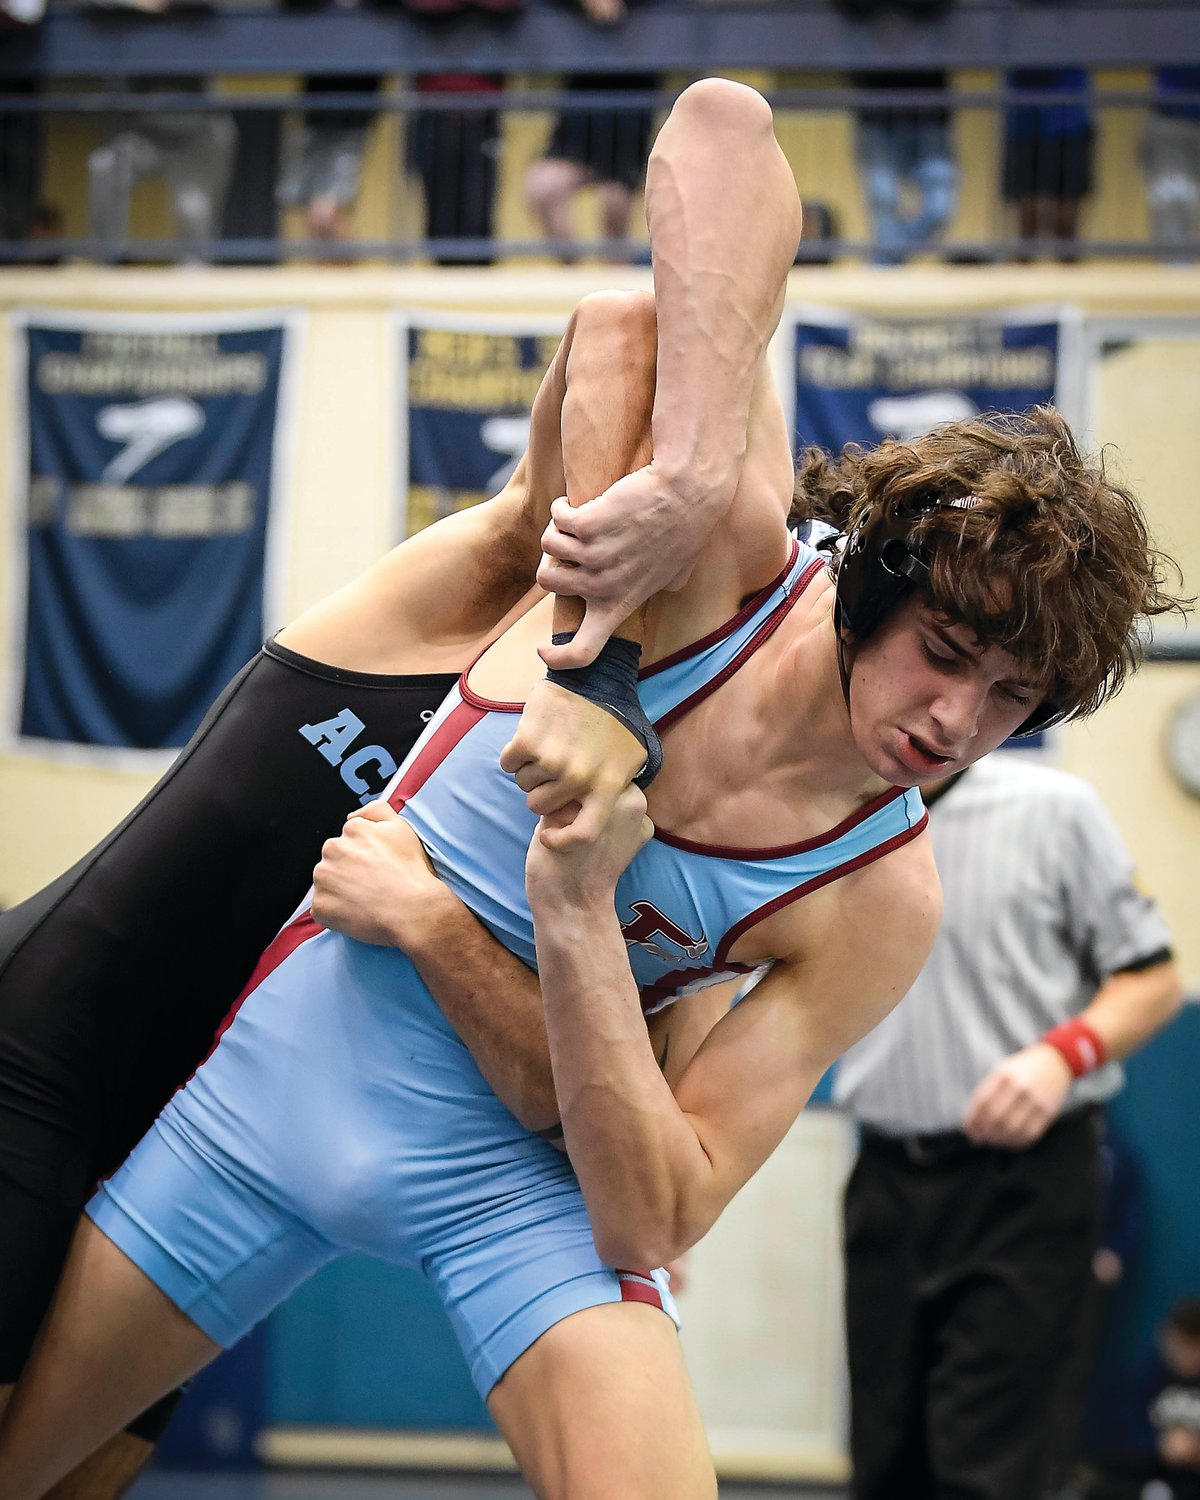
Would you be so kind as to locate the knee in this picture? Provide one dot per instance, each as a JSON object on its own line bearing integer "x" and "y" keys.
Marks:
{"x": 195, "y": 212}
{"x": 549, "y": 183}
{"x": 102, "y": 164}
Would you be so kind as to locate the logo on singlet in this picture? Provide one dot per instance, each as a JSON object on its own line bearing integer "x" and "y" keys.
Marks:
{"x": 648, "y": 923}
{"x": 334, "y": 737}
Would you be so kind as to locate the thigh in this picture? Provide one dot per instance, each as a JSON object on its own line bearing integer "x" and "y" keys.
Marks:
{"x": 206, "y": 1231}
{"x": 601, "y": 1405}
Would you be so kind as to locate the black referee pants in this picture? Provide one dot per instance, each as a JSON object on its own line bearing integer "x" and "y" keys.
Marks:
{"x": 967, "y": 1277}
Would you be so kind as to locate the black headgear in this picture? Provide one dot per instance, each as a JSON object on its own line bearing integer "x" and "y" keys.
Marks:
{"x": 882, "y": 562}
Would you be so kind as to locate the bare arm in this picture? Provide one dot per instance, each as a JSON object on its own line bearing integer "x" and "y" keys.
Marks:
{"x": 656, "y": 1166}
{"x": 1021, "y": 1097}
{"x": 724, "y": 220}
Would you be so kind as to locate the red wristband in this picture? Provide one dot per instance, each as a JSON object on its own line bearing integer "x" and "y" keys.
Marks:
{"x": 1079, "y": 1045}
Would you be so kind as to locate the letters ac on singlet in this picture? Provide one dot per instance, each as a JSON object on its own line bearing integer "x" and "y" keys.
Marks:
{"x": 335, "y": 738}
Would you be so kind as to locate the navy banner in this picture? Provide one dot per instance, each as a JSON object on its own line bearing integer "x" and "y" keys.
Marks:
{"x": 152, "y": 462}
{"x": 860, "y": 379}
{"x": 469, "y": 384}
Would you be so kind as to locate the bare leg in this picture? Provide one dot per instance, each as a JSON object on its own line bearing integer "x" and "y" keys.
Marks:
{"x": 111, "y": 1346}
{"x": 550, "y": 184}
{"x": 601, "y": 1405}
{"x": 616, "y": 205}
{"x": 107, "y": 1474}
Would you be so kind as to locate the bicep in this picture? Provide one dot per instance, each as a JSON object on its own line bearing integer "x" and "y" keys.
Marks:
{"x": 757, "y": 1068}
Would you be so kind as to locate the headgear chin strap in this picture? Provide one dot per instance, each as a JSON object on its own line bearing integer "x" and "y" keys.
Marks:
{"x": 881, "y": 563}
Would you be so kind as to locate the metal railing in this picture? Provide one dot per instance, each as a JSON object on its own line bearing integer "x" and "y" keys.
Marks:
{"x": 121, "y": 107}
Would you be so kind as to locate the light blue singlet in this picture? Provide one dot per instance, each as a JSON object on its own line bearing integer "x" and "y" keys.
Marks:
{"x": 339, "y": 1110}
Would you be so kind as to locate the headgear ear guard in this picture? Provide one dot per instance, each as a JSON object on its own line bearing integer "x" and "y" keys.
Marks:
{"x": 881, "y": 563}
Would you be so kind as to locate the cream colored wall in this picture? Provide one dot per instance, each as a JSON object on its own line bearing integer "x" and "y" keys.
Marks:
{"x": 1147, "y": 404}
{"x": 342, "y": 502}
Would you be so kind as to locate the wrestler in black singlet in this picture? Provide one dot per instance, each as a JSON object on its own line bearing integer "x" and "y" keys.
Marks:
{"x": 114, "y": 979}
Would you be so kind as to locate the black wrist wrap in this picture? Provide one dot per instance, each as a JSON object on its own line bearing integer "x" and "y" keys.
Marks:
{"x": 610, "y": 682}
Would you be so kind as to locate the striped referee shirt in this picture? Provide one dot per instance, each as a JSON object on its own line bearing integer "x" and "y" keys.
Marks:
{"x": 1041, "y": 906}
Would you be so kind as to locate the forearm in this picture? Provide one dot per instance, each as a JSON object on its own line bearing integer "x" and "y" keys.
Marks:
{"x": 724, "y": 220}
{"x": 1131, "y": 1006}
{"x": 493, "y": 1002}
{"x": 647, "y": 1181}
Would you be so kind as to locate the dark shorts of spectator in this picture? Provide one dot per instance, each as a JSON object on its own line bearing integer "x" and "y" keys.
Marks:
{"x": 1048, "y": 166}
{"x": 611, "y": 144}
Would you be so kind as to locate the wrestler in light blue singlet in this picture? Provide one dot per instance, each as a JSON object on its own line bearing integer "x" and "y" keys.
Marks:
{"x": 339, "y": 1110}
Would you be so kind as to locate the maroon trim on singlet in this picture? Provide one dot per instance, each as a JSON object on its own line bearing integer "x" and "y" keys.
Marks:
{"x": 454, "y": 727}
{"x": 869, "y": 856}
{"x": 667, "y": 986}
{"x": 783, "y": 850}
{"x": 477, "y": 700}
{"x": 638, "y": 1286}
{"x": 492, "y": 705}
{"x": 282, "y": 946}
{"x": 755, "y": 602}
{"x": 764, "y": 632}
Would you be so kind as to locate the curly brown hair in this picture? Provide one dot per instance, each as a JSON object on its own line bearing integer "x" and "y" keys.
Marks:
{"x": 1054, "y": 563}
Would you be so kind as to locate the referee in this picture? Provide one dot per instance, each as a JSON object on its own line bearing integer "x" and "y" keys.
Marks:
{"x": 973, "y": 1211}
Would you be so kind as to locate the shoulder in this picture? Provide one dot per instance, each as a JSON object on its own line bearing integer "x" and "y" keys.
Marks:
{"x": 883, "y": 916}
{"x": 852, "y": 950}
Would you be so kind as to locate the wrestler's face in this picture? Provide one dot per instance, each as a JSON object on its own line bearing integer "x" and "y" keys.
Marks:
{"x": 926, "y": 699}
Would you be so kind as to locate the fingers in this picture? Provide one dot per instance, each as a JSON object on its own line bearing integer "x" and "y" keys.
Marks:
{"x": 561, "y": 543}
{"x": 514, "y": 755}
{"x": 1003, "y": 1114}
{"x": 379, "y": 811}
{"x": 599, "y": 622}
{"x": 561, "y": 578}
{"x": 618, "y": 824}
{"x": 570, "y": 519}
{"x": 576, "y": 821}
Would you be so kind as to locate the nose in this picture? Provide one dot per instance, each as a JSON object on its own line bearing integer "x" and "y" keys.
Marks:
{"x": 957, "y": 709}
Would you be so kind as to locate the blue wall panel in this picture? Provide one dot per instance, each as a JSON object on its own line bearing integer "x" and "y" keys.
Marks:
{"x": 367, "y": 1345}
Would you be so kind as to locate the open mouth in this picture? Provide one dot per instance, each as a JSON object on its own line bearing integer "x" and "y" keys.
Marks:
{"x": 923, "y": 756}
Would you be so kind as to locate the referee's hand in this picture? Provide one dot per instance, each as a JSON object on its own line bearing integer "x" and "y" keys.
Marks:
{"x": 1019, "y": 1099}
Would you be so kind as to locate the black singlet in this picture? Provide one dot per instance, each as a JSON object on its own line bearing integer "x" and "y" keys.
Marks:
{"x": 114, "y": 978}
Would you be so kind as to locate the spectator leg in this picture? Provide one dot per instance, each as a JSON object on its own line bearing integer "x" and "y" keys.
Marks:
{"x": 1171, "y": 160}
{"x": 199, "y": 168}
{"x": 935, "y": 173}
{"x": 616, "y": 205}
{"x": 880, "y": 171}
{"x": 113, "y": 171}
{"x": 550, "y": 184}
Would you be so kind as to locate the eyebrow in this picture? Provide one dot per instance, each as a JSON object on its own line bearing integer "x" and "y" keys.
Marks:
{"x": 964, "y": 653}
{"x": 947, "y": 640}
